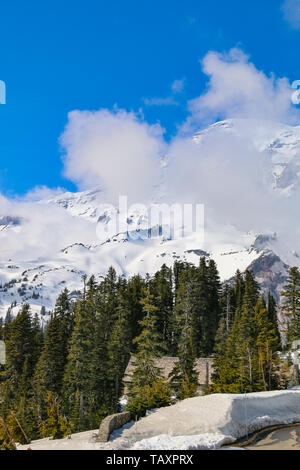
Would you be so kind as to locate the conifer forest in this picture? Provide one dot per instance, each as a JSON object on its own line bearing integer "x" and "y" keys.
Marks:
{"x": 67, "y": 376}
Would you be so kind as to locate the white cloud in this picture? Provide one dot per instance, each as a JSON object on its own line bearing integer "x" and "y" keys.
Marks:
{"x": 113, "y": 149}
{"x": 291, "y": 11}
{"x": 42, "y": 192}
{"x": 169, "y": 101}
{"x": 232, "y": 176}
{"x": 45, "y": 229}
{"x": 178, "y": 86}
{"x": 236, "y": 88}
{"x": 228, "y": 171}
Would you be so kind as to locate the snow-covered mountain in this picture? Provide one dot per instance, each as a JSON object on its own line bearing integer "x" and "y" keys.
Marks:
{"x": 279, "y": 143}
{"x": 39, "y": 279}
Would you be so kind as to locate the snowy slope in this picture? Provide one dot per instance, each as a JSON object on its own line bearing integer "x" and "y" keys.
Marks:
{"x": 38, "y": 279}
{"x": 205, "y": 422}
{"x": 39, "y": 283}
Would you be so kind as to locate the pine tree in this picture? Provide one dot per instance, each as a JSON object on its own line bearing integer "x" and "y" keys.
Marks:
{"x": 246, "y": 332}
{"x": 188, "y": 310}
{"x": 7, "y": 322}
{"x": 19, "y": 346}
{"x": 149, "y": 344}
{"x": 246, "y": 358}
{"x": 50, "y": 368}
{"x": 291, "y": 305}
{"x": 107, "y": 300}
{"x": 221, "y": 340}
{"x": 149, "y": 347}
{"x": 272, "y": 315}
{"x": 119, "y": 349}
{"x": 213, "y": 314}
{"x": 55, "y": 425}
{"x": 226, "y": 377}
{"x": 162, "y": 287}
{"x": 78, "y": 392}
{"x": 267, "y": 345}
{"x": 1, "y": 329}
{"x": 17, "y": 399}
{"x": 183, "y": 376}
{"x": 134, "y": 293}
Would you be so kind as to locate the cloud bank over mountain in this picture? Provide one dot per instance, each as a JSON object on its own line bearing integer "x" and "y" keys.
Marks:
{"x": 236, "y": 170}
{"x": 115, "y": 149}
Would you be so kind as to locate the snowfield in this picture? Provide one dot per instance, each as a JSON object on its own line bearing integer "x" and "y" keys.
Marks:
{"x": 198, "y": 423}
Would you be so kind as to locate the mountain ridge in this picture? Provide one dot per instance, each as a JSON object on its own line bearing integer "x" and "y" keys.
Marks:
{"x": 39, "y": 280}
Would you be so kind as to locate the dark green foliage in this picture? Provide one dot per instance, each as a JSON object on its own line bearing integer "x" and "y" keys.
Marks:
{"x": 149, "y": 345}
{"x": 148, "y": 397}
{"x": 50, "y": 368}
{"x": 119, "y": 349}
{"x": 291, "y": 305}
{"x": 246, "y": 358}
{"x": 17, "y": 396}
{"x": 79, "y": 379}
{"x": 188, "y": 330}
{"x": 272, "y": 316}
{"x": 148, "y": 389}
{"x": 162, "y": 287}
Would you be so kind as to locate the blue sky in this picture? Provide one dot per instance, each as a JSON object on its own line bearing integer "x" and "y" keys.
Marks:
{"x": 66, "y": 55}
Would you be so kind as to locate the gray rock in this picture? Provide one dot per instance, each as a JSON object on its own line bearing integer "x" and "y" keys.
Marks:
{"x": 112, "y": 422}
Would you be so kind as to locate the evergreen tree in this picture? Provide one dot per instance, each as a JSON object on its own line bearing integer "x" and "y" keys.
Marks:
{"x": 149, "y": 344}
{"x": 246, "y": 332}
{"x": 134, "y": 294}
{"x": 7, "y": 322}
{"x": 1, "y": 329}
{"x": 17, "y": 399}
{"x": 226, "y": 377}
{"x": 149, "y": 347}
{"x": 107, "y": 300}
{"x": 183, "y": 376}
{"x": 246, "y": 357}
{"x": 78, "y": 390}
{"x": 50, "y": 368}
{"x": 213, "y": 316}
{"x": 227, "y": 307}
{"x": 162, "y": 287}
{"x": 267, "y": 345}
{"x": 119, "y": 350}
{"x": 272, "y": 315}
{"x": 55, "y": 425}
{"x": 19, "y": 346}
{"x": 291, "y": 305}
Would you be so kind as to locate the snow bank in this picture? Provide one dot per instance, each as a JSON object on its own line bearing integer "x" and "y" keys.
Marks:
{"x": 166, "y": 442}
{"x": 224, "y": 414}
{"x": 197, "y": 423}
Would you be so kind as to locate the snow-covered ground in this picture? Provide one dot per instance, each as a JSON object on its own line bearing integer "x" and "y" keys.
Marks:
{"x": 206, "y": 422}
